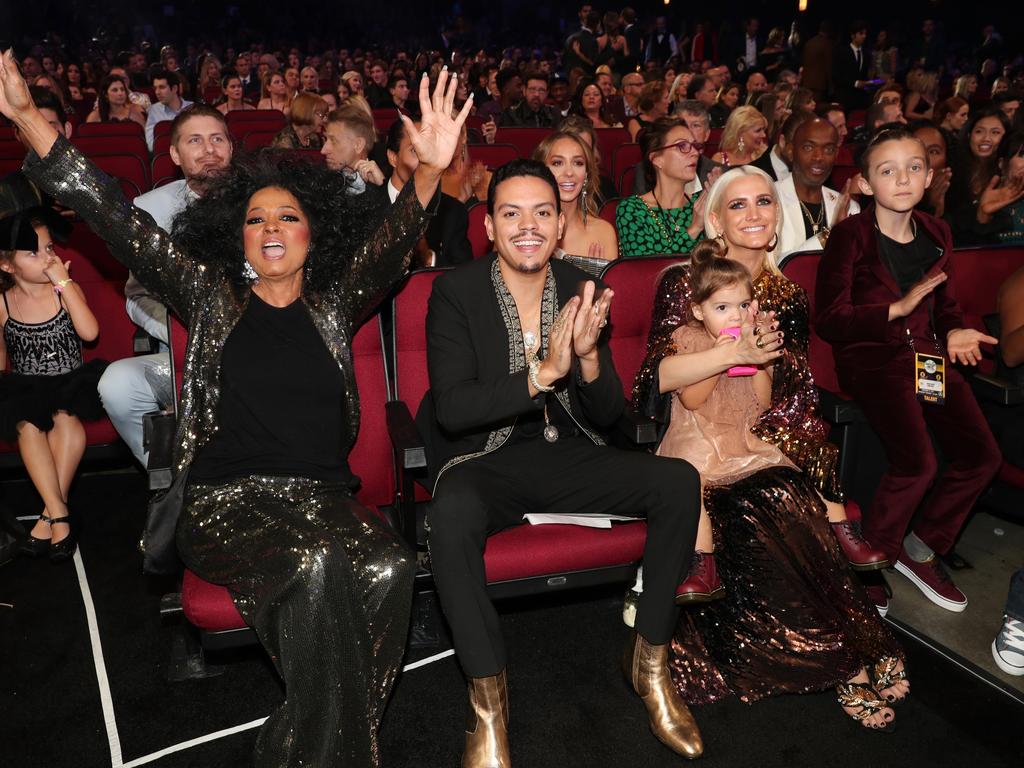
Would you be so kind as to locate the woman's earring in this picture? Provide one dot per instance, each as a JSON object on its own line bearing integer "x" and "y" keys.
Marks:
{"x": 772, "y": 245}
{"x": 723, "y": 246}
{"x": 583, "y": 199}
{"x": 248, "y": 272}
{"x": 741, "y": 147}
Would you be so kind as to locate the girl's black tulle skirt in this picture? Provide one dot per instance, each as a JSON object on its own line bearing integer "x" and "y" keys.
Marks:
{"x": 794, "y": 618}
{"x": 36, "y": 399}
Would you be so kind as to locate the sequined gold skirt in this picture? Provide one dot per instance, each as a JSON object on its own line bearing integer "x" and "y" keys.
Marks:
{"x": 794, "y": 619}
{"x": 327, "y": 586}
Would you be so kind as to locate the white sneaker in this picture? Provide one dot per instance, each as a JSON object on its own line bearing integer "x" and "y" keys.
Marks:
{"x": 1008, "y": 647}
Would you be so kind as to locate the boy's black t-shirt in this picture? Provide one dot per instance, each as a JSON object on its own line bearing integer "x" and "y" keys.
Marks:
{"x": 909, "y": 262}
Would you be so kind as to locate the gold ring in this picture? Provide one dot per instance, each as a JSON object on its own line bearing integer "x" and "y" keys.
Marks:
{"x": 760, "y": 342}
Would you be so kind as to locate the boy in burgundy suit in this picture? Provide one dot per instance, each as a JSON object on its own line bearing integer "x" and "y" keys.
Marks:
{"x": 884, "y": 303}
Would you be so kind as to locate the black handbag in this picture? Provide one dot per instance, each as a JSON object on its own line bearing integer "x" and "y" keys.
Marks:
{"x": 159, "y": 551}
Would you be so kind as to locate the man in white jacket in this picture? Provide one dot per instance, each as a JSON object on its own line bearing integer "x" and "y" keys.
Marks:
{"x": 134, "y": 386}
{"x": 810, "y": 209}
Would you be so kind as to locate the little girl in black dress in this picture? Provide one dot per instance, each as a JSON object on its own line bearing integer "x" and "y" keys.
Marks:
{"x": 48, "y": 390}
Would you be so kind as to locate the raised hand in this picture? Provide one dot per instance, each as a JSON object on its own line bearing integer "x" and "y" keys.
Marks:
{"x": 996, "y": 197}
{"x": 437, "y": 137}
{"x": 843, "y": 206}
{"x": 915, "y": 295}
{"x": 964, "y": 345}
{"x": 591, "y": 318}
{"x": 16, "y": 104}
{"x": 15, "y": 100}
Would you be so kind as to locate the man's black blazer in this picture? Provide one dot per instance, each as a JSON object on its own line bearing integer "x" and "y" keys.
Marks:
{"x": 472, "y": 393}
{"x": 446, "y": 230}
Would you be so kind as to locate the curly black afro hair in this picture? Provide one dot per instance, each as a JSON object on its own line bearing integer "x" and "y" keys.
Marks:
{"x": 210, "y": 228}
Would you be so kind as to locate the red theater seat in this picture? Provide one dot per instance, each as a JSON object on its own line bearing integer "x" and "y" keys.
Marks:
{"x": 476, "y": 231}
{"x": 528, "y": 558}
{"x": 209, "y": 606}
{"x": 493, "y": 155}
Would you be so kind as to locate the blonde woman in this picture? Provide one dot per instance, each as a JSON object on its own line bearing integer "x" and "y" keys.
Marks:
{"x": 744, "y": 139}
{"x": 575, "y": 169}
{"x": 922, "y": 95}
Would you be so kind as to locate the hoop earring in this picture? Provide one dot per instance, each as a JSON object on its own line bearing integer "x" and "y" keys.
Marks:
{"x": 723, "y": 246}
{"x": 248, "y": 272}
{"x": 773, "y": 244}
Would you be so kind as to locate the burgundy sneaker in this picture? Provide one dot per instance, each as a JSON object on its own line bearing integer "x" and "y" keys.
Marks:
{"x": 702, "y": 584}
{"x": 933, "y": 581}
{"x": 876, "y": 594}
{"x": 860, "y": 554}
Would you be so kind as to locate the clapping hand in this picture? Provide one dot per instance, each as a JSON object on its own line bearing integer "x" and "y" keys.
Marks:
{"x": 996, "y": 197}
{"x": 915, "y": 295}
{"x": 437, "y": 137}
{"x": 843, "y": 206}
{"x": 560, "y": 344}
{"x": 964, "y": 345}
{"x": 760, "y": 347}
{"x": 591, "y": 318}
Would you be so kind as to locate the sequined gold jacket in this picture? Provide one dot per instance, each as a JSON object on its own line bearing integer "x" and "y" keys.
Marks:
{"x": 793, "y": 421}
{"x": 209, "y": 304}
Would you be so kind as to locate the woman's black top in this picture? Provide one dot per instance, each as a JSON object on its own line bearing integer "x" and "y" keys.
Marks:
{"x": 281, "y": 403}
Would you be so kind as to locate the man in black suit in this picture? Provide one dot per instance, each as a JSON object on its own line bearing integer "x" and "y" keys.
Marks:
{"x": 581, "y": 48}
{"x": 520, "y": 394}
{"x": 250, "y": 83}
{"x": 445, "y": 243}
{"x": 850, "y": 69}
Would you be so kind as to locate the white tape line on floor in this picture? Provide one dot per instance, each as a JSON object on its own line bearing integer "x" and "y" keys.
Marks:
{"x": 106, "y": 700}
{"x": 194, "y": 743}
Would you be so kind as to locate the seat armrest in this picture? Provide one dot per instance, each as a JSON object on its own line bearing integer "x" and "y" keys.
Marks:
{"x": 405, "y": 437}
{"x": 837, "y": 409}
{"x": 637, "y": 428}
{"x": 996, "y": 390}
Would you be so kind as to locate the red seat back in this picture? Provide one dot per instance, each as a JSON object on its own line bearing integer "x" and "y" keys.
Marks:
{"x": 608, "y": 210}
{"x": 635, "y": 282}
{"x": 258, "y": 139}
{"x": 624, "y": 156}
{"x": 164, "y": 170}
{"x": 130, "y": 168}
{"x": 802, "y": 269}
{"x": 112, "y": 145}
{"x": 626, "y": 181}
{"x": 477, "y": 232}
{"x": 238, "y": 116}
{"x": 841, "y": 173}
{"x": 110, "y": 129}
{"x": 493, "y": 155}
{"x": 371, "y": 458}
{"x": 608, "y": 142}
{"x": 525, "y": 140}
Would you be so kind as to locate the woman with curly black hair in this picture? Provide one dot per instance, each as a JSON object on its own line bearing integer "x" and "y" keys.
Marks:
{"x": 268, "y": 271}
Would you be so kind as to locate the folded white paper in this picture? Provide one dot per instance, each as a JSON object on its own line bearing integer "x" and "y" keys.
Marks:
{"x": 585, "y": 519}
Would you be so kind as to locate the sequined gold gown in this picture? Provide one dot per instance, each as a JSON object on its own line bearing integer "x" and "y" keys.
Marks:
{"x": 326, "y": 586}
{"x": 794, "y": 618}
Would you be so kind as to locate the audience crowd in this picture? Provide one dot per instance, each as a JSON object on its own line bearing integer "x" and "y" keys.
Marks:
{"x": 823, "y": 132}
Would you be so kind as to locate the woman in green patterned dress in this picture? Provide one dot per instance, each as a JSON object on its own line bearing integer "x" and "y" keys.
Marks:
{"x": 666, "y": 220}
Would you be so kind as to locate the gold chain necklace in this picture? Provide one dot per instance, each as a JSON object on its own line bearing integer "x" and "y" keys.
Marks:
{"x": 816, "y": 223}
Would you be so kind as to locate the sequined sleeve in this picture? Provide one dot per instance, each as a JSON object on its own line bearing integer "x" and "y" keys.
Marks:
{"x": 133, "y": 237}
{"x": 384, "y": 258}
{"x": 671, "y": 310}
